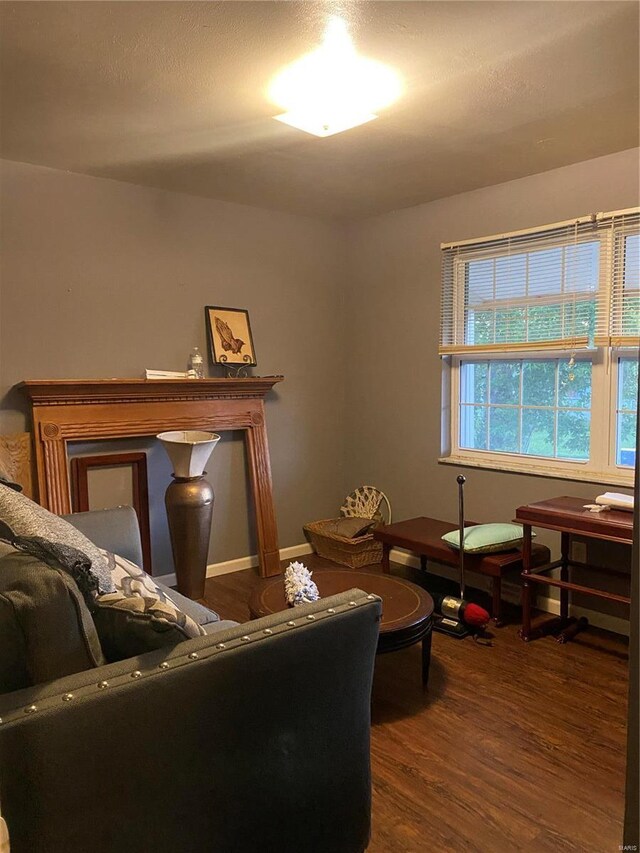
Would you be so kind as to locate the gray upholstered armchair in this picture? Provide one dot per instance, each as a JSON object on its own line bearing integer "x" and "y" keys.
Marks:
{"x": 252, "y": 739}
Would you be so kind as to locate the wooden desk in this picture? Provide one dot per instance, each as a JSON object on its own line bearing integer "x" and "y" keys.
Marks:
{"x": 568, "y": 516}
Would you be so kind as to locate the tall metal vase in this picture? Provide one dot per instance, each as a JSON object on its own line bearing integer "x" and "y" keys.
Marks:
{"x": 189, "y": 502}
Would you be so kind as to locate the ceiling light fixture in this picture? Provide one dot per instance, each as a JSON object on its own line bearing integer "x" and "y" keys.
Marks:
{"x": 333, "y": 88}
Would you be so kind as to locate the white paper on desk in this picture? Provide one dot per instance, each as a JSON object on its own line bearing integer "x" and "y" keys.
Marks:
{"x": 616, "y": 500}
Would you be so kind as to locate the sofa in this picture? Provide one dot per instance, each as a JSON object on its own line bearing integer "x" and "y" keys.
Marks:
{"x": 251, "y": 739}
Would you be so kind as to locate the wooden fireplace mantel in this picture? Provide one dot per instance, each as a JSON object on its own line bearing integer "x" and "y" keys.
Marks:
{"x": 87, "y": 409}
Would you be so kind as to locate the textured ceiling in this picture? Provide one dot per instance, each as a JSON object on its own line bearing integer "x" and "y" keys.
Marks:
{"x": 172, "y": 95}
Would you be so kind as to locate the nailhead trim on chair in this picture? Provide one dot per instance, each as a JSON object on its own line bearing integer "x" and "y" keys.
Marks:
{"x": 183, "y": 660}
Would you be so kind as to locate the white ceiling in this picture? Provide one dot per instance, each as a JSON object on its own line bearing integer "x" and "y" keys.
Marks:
{"x": 172, "y": 95}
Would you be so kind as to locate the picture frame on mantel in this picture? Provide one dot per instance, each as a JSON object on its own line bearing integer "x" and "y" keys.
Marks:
{"x": 229, "y": 336}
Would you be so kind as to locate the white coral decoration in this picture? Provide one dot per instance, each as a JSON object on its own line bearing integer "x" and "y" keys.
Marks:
{"x": 298, "y": 586}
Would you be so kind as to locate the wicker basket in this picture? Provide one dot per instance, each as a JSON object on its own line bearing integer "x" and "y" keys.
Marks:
{"x": 354, "y": 553}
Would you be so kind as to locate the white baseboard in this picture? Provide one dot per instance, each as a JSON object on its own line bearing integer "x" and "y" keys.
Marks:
{"x": 511, "y": 593}
{"x": 237, "y": 565}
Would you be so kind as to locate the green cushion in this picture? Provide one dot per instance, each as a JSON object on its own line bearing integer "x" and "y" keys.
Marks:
{"x": 486, "y": 538}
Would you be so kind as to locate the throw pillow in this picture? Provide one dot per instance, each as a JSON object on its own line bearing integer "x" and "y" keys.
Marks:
{"x": 138, "y": 616}
{"x": 352, "y": 527}
{"x": 75, "y": 562}
{"x": 27, "y": 519}
{"x": 46, "y": 630}
{"x": 486, "y": 538}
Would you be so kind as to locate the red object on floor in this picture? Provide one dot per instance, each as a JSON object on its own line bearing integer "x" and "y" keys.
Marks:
{"x": 475, "y": 616}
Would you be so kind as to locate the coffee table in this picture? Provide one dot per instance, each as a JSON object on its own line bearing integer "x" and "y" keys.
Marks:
{"x": 407, "y": 609}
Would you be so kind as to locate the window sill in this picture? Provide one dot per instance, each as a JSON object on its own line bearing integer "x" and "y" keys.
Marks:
{"x": 539, "y": 469}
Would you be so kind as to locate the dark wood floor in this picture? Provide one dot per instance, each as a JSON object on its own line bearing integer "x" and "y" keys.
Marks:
{"x": 512, "y": 747}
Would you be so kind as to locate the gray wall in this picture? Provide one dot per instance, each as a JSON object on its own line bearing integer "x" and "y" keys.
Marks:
{"x": 393, "y": 298}
{"x": 102, "y": 279}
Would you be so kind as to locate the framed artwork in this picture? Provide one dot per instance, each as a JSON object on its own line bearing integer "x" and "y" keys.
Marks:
{"x": 230, "y": 339}
{"x": 123, "y": 481}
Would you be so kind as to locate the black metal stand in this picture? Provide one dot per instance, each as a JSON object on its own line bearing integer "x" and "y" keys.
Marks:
{"x": 236, "y": 371}
{"x": 451, "y": 627}
{"x": 448, "y": 622}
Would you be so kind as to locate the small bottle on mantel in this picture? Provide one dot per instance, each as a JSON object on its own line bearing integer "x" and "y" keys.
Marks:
{"x": 196, "y": 363}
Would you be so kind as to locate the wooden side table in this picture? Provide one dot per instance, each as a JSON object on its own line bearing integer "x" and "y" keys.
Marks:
{"x": 568, "y": 516}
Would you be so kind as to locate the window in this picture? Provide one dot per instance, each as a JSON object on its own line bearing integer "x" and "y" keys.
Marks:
{"x": 531, "y": 407}
{"x": 531, "y": 297}
{"x": 540, "y": 333}
{"x": 626, "y": 412}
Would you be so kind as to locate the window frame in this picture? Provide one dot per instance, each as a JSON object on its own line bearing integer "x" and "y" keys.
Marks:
{"x": 601, "y": 467}
{"x": 618, "y": 353}
{"x": 604, "y": 351}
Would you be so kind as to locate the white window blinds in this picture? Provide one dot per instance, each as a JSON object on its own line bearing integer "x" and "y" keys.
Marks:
{"x": 618, "y": 321}
{"x": 564, "y": 287}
